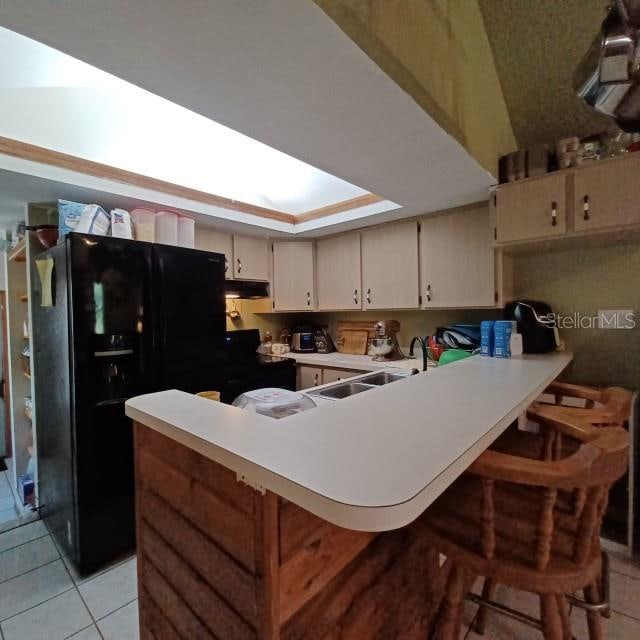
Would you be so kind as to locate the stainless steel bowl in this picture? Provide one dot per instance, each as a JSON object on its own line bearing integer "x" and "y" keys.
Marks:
{"x": 381, "y": 346}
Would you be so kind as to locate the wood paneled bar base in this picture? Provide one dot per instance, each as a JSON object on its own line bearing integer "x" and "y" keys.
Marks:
{"x": 218, "y": 559}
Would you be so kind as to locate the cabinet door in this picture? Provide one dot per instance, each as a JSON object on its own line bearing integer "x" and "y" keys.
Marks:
{"x": 335, "y": 375}
{"x": 531, "y": 209}
{"x": 218, "y": 242}
{"x": 293, "y": 282}
{"x": 338, "y": 273}
{"x": 308, "y": 376}
{"x": 456, "y": 260}
{"x": 390, "y": 267}
{"x": 607, "y": 194}
{"x": 250, "y": 258}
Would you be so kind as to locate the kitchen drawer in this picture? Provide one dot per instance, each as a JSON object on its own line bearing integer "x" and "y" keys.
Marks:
{"x": 308, "y": 376}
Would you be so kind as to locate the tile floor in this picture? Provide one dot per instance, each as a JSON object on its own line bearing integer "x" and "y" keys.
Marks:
{"x": 7, "y": 505}
{"x": 43, "y": 597}
{"x": 624, "y": 623}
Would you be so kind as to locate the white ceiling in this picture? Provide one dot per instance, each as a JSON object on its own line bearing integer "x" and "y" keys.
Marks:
{"x": 279, "y": 71}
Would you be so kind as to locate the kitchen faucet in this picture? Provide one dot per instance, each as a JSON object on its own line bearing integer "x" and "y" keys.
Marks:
{"x": 423, "y": 346}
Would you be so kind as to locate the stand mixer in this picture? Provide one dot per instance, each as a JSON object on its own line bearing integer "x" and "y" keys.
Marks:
{"x": 384, "y": 347}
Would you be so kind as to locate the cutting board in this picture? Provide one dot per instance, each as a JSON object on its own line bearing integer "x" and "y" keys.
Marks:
{"x": 354, "y": 341}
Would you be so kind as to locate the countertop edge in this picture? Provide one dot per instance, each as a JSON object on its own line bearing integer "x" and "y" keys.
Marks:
{"x": 350, "y": 516}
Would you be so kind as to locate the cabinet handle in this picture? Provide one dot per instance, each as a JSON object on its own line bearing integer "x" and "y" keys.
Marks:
{"x": 308, "y": 298}
{"x": 369, "y": 296}
{"x": 554, "y": 214}
{"x": 315, "y": 380}
{"x": 585, "y": 207}
{"x": 428, "y": 293}
{"x": 239, "y": 265}
{"x": 226, "y": 265}
{"x": 355, "y": 296}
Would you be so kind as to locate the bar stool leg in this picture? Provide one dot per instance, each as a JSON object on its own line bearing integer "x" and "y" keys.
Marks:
{"x": 550, "y": 618}
{"x": 451, "y": 615}
{"x": 488, "y": 593}
{"x": 563, "y": 609}
{"x": 594, "y": 619}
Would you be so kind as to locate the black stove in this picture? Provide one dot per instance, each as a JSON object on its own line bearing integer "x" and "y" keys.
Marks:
{"x": 247, "y": 370}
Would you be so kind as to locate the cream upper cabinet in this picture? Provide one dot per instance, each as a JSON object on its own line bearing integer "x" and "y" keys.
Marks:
{"x": 250, "y": 258}
{"x": 531, "y": 209}
{"x": 607, "y": 194}
{"x": 457, "y": 267}
{"x": 338, "y": 273}
{"x": 293, "y": 279}
{"x": 218, "y": 242}
{"x": 390, "y": 267}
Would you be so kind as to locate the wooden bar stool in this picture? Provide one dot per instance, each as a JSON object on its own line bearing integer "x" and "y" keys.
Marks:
{"x": 610, "y": 406}
{"x": 510, "y": 519}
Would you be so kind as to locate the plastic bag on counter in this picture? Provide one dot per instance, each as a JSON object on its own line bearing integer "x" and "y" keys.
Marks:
{"x": 121, "y": 224}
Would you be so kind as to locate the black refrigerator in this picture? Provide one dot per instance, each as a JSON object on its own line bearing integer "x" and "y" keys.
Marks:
{"x": 127, "y": 318}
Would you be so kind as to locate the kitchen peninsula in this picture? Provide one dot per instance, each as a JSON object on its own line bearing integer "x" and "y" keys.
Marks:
{"x": 250, "y": 527}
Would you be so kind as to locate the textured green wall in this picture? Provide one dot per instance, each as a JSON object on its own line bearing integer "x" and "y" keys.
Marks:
{"x": 537, "y": 45}
{"x": 585, "y": 281}
{"x": 438, "y": 52}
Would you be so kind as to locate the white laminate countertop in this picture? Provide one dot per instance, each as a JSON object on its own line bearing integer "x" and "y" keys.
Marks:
{"x": 354, "y": 362}
{"x": 374, "y": 461}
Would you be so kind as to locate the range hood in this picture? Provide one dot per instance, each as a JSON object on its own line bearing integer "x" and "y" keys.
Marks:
{"x": 245, "y": 289}
{"x": 608, "y": 77}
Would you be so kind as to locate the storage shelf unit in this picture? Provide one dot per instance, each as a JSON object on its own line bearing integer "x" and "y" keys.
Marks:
{"x": 19, "y": 252}
{"x": 21, "y": 383}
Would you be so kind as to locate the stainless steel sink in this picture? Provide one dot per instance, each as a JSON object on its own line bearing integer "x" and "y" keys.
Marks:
{"x": 346, "y": 389}
{"x": 342, "y": 390}
{"x": 383, "y": 377}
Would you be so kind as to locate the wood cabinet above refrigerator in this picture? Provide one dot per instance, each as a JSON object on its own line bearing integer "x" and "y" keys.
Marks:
{"x": 217, "y": 241}
{"x": 250, "y": 258}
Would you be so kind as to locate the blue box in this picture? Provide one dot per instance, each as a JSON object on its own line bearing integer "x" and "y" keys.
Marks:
{"x": 502, "y": 339}
{"x": 26, "y": 488}
{"x": 487, "y": 337}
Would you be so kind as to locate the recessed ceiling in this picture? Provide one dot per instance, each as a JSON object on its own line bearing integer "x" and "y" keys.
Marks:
{"x": 537, "y": 45}
{"x": 52, "y": 100}
{"x": 280, "y": 72}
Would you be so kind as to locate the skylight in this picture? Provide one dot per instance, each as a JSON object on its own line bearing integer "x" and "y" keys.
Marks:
{"x": 52, "y": 100}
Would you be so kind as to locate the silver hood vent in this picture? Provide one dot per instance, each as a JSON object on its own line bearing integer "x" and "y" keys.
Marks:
{"x": 608, "y": 77}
